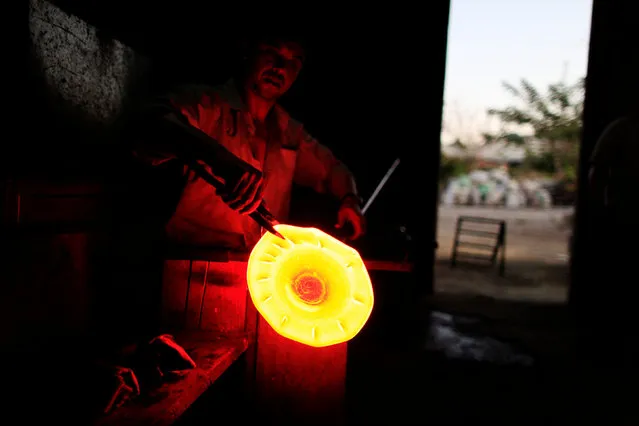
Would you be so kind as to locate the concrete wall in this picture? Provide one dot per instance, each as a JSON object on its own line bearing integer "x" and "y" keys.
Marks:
{"x": 81, "y": 80}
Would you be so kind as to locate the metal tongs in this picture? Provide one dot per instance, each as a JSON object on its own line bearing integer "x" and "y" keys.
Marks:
{"x": 261, "y": 215}
{"x": 175, "y": 128}
{"x": 266, "y": 220}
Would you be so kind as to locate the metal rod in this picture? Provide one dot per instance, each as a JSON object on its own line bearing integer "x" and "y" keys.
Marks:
{"x": 380, "y": 185}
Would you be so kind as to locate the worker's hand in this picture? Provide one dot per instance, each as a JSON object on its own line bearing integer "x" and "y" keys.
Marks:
{"x": 169, "y": 355}
{"x": 161, "y": 359}
{"x": 125, "y": 387}
{"x": 350, "y": 213}
{"x": 244, "y": 194}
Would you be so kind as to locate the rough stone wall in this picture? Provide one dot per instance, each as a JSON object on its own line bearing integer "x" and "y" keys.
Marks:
{"x": 81, "y": 79}
{"x": 79, "y": 83}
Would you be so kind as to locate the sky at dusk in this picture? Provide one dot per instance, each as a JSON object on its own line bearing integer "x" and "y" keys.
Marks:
{"x": 490, "y": 41}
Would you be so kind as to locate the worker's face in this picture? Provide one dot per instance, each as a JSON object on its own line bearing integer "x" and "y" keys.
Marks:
{"x": 274, "y": 68}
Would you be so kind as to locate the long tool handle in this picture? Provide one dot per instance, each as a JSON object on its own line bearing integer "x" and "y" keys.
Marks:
{"x": 175, "y": 129}
{"x": 266, "y": 220}
{"x": 261, "y": 215}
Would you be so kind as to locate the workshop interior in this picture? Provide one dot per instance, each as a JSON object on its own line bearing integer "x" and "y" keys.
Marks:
{"x": 92, "y": 333}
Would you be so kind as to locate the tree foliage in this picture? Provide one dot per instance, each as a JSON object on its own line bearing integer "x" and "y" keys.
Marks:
{"x": 452, "y": 167}
{"x": 553, "y": 116}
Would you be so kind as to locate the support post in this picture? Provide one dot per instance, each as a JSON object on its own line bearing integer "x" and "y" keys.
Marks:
{"x": 298, "y": 384}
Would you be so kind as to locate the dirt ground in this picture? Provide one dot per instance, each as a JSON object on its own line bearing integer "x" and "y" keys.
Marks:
{"x": 537, "y": 256}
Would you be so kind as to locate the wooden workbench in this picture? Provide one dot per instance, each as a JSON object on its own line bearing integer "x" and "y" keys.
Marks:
{"x": 162, "y": 406}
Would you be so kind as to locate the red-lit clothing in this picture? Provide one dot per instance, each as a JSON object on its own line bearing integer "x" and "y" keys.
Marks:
{"x": 284, "y": 152}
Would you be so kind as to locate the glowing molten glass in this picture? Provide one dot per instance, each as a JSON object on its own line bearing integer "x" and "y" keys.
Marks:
{"x": 311, "y": 288}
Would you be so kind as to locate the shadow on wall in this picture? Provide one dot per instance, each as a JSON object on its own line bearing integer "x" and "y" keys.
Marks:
{"x": 81, "y": 81}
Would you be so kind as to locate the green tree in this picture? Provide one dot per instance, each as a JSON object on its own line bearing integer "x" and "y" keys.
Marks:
{"x": 554, "y": 116}
{"x": 452, "y": 167}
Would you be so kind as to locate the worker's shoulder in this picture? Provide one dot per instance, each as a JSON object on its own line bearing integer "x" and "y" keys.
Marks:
{"x": 631, "y": 122}
{"x": 621, "y": 132}
{"x": 619, "y": 139}
{"x": 622, "y": 125}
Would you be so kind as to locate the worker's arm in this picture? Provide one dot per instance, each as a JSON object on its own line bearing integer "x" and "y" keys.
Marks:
{"x": 319, "y": 169}
{"x": 179, "y": 128}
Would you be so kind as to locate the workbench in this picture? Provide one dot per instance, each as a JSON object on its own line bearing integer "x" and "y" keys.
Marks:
{"x": 289, "y": 381}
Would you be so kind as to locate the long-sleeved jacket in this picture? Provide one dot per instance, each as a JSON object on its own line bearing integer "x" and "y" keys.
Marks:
{"x": 292, "y": 155}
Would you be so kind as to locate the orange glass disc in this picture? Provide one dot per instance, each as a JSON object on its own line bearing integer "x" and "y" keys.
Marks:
{"x": 311, "y": 287}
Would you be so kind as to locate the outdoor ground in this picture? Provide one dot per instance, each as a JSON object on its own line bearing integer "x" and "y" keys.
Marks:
{"x": 537, "y": 256}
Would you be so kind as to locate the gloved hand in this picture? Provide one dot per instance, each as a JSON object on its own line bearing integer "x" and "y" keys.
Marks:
{"x": 244, "y": 194}
{"x": 238, "y": 183}
{"x": 170, "y": 355}
{"x": 351, "y": 213}
{"x": 124, "y": 386}
{"x": 159, "y": 360}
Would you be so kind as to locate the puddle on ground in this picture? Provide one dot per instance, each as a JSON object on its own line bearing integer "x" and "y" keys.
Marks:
{"x": 446, "y": 337}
